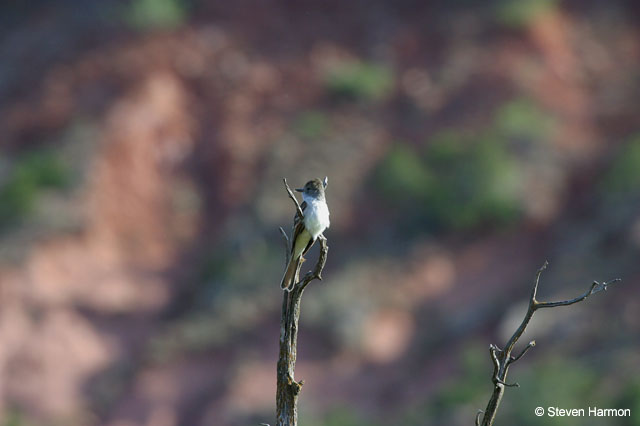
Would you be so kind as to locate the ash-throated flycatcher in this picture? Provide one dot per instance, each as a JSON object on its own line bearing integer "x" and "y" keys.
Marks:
{"x": 307, "y": 230}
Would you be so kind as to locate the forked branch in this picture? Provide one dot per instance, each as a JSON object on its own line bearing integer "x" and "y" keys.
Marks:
{"x": 502, "y": 358}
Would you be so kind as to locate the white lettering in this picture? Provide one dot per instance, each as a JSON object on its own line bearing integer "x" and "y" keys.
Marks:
{"x": 609, "y": 412}
{"x": 565, "y": 412}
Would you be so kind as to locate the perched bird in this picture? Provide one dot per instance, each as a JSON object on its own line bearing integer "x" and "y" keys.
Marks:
{"x": 307, "y": 229}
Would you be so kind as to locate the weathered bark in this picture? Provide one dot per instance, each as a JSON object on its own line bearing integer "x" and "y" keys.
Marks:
{"x": 288, "y": 389}
{"x": 502, "y": 359}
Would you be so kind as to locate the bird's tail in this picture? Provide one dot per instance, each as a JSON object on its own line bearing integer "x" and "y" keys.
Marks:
{"x": 288, "y": 280}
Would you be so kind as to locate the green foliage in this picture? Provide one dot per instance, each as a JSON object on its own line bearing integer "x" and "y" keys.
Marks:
{"x": 520, "y": 13}
{"x": 342, "y": 416}
{"x": 477, "y": 182}
{"x": 468, "y": 389}
{"x": 339, "y": 415}
{"x": 460, "y": 181}
{"x": 522, "y": 119}
{"x": 553, "y": 383}
{"x": 14, "y": 417}
{"x": 629, "y": 398}
{"x": 549, "y": 382}
{"x": 461, "y": 392}
{"x": 31, "y": 174}
{"x": 403, "y": 176}
{"x": 359, "y": 80}
{"x": 311, "y": 125}
{"x": 456, "y": 183}
{"x": 623, "y": 176}
{"x": 156, "y": 14}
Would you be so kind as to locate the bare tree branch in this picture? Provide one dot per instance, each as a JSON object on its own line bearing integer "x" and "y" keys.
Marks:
{"x": 478, "y": 414}
{"x": 293, "y": 198}
{"x": 316, "y": 274}
{"x": 502, "y": 359}
{"x": 287, "y": 387}
{"x": 524, "y": 351}
{"x": 595, "y": 288}
{"x": 287, "y": 246}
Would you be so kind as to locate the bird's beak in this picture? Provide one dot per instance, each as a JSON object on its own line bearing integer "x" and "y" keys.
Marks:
{"x": 299, "y": 189}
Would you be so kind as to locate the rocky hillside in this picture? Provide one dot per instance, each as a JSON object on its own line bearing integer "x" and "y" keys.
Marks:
{"x": 142, "y": 149}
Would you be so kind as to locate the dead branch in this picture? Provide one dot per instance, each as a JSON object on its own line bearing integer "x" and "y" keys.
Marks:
{"x": 287, "y": 387}
{"x": 502, "y": 359}
{"x": 293, "y": 198}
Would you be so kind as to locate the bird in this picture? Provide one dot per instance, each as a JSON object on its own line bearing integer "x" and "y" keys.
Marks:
{"x": 307, "y": 228}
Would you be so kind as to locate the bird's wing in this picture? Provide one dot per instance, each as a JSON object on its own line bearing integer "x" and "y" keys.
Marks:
{"x": 298, "y": 228}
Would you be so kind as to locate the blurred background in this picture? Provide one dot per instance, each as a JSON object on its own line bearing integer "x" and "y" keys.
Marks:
{"x": 143, "y": 144}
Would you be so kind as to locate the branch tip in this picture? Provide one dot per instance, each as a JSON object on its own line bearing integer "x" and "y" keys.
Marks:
{"x": 509, "y": 385}
{"x": 543, "y": 267}
{"x": 293, "y": 197}
{"x": 596, "y": 287}
{"x": 534, "y": 291}
{"x": 284, "y": 235}
{"x": 530, "y": 345}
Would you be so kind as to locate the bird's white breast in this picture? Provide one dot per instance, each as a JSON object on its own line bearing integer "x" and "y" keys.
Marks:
{"x": 316, "y": 217}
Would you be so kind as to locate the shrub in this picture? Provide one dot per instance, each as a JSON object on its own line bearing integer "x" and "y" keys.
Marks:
{"x": 359, "y": 80}
{"x": 342, "y": 415}
{"x": 623, "y": 177}
{"x": 155, "y": 14}
{"x": 456, "y": 183}
{"x": 402, "y": 177}
{"x": 521, "y": 119}
{"x": 552, "y": 383}
{"x": 311, "y": 125}
{"x": 520, "y": 13}
{"x": 30, "y": 175}
{"x": 460, "y": 181}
